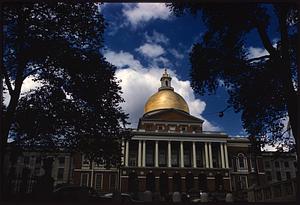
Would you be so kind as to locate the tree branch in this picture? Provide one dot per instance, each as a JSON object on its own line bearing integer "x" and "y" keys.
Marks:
{"x": 265, "y": 39}
{"x": 7, "y": 81}
{"x": 31, "y": 72}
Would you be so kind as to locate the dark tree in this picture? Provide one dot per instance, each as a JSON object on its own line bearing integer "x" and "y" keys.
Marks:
{"x": 77, "y": 105}
{"x": 263, "y": 89}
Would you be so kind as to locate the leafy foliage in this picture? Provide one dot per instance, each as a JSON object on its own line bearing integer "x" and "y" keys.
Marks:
{"x": 264, "y": 88}
{"x": 77, "y": 106}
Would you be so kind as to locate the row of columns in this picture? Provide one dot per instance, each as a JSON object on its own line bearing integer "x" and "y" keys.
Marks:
{"x": 207, "y": 153}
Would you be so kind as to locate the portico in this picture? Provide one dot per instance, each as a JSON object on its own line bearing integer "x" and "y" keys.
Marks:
{"x": 169, "y": 150}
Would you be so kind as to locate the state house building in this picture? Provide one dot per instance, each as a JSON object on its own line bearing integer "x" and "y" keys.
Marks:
{"x": 169, "y": 151}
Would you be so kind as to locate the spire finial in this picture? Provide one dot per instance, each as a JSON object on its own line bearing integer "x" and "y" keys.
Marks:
{"x": 166, "y": 71}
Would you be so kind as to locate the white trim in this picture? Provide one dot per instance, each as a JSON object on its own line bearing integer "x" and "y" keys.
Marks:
{"x": 177, "y": 138}
{"x": 96, "y": 176}
{"x": 87, "y": 181}
{"x": 139, "y": 153}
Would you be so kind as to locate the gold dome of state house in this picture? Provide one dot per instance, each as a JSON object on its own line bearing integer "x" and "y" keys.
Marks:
{"x": 166, "y": 98}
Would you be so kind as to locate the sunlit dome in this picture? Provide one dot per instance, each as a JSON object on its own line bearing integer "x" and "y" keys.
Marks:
{"x": 166, "y": 98}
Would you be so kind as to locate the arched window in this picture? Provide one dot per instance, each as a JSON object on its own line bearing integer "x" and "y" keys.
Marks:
{"x": 242, "y": 161}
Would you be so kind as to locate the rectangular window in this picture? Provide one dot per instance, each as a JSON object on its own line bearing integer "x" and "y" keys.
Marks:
{"x": 216, "y": 155}
{"x": 277, "y": 165}
{"x": 112, "y": 182}
{"x": 98, "y": 182}
{"x": 286, "y": 164}
{"x": 187, "y": 155}
{"x": 84, "y": 179}
{"x": 267, "y": 164}
{"x": 38, "y": 160}
{"x": 61, "y": 161}
{"x": 278, "y": 176}
{"x": 199, "y": 156}
{"x": 133, "y": 153}
{"x": 60, "y": 173}
{"x": 175, "y": 155}
{"x": 162, "y": 157}
{"x": 150, "y": 154}
{"x": 288, "y": 175}
{"x": 243, "y": 181}
{"x": 269, "y": 176}
{"x": 26, "y": 160}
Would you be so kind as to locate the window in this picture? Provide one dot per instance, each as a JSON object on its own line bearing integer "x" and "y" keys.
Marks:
{"x": 60, "y": 173}
{"x": 85, "y": 161}
{"x": 269, "y": 176}
{"x": 199, "y": 156}
{"x": 112, "y": 182}
{"x": 38, "y": 160}
{"x": 216, "y": 155}
{"x": 133, "y": 153}
{"x": 241, "y": 161}
{"x": 286, "y": 164}
{"x": 160, "y": 127}
{"x": 175, "y": 155}
{"x": 162, "y": 155}
{"x": 267, "y": 164}
{"x": 183, "y": 129}
{"x": 187, "y": 156}
{"x": 61, "y": 160}
{"x": 172, "y": 128}
{"x": 288, "y": 175}
{"x": 277, "y": 165}
{"x": 278, "y": 176}
{"x": 149, "y": 154}
{"x": 26, "y": 160}
{"x": 84, "y": 179}
{"x": 98, "y": 182}
{"x": 243, "y": 182}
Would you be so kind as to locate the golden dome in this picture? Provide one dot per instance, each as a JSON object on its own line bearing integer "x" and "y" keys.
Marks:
{"x": 165, "y": 99}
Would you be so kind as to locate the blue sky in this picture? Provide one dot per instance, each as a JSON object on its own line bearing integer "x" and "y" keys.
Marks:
{"x": 142, "y": 39}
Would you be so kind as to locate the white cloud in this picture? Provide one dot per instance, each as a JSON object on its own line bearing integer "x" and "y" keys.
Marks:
{"x": 156, "y": 38}
{"x": 151, "y": 50}
{"x": 122, "y": 59}
{"x": 139, "y": 83}
{"x": 143, "y": 12}
{"x": 176, "y": 54}
{"x": 254, "y": 52}
{"x": 28, "y": 84}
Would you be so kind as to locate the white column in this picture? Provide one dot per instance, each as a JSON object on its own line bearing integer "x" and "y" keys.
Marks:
{"x": 144, "y": 154}
{"x": 222, "y": 155}
{"x": 169, "y": 154}
{"x": 181, "y": 155}
{"x": 156, "y": 153}
{"x": 140, "y": 153}
{"x": 126, "y": 153}
{"x": 226, "y": 156}
{"x": 194, "y": 155}
{"x": 206, "y": 155}
{"x": 210, "y": 155}
{"x": 123, "y": 152}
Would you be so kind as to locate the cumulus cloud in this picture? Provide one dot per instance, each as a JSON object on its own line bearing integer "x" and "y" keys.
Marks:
{"x": 254, "y": 52}
{"x": 156, "y": 37}
{"x": 28, "y": 84}
{"x": 143, "y": 12}
{"x": 151, "y": 50}
{"x": 176, "y": 54}
{"x": 139, "y": 83}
